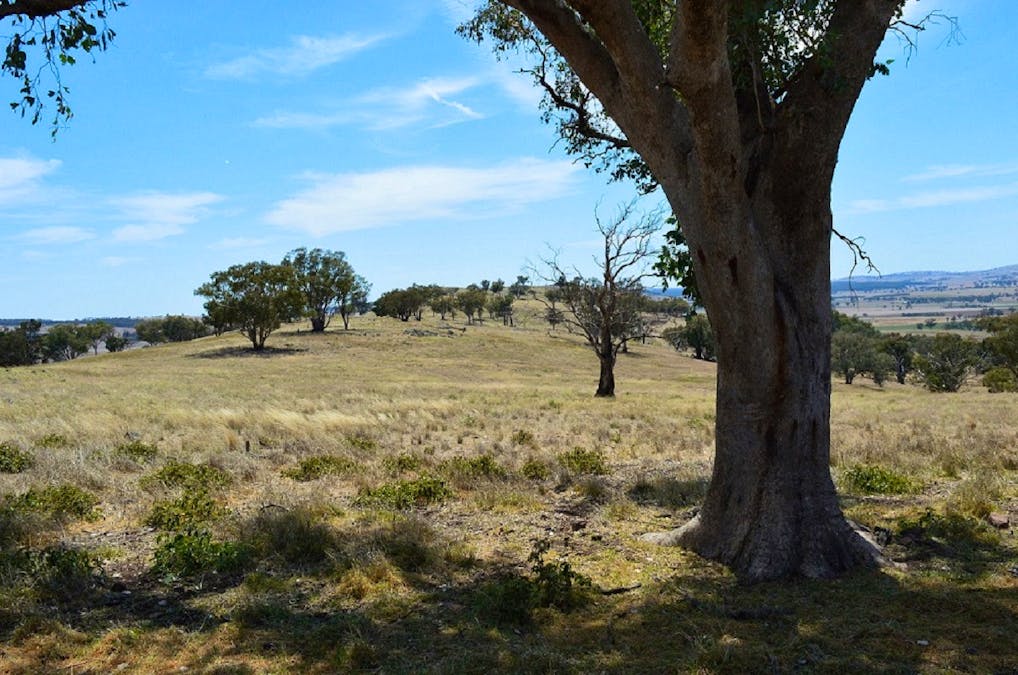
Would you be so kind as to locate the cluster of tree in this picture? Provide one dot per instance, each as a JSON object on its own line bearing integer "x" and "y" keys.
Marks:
{"x": 409, "y": 303}
{"x": 171, "y": 328}
{"x": 695, "y": 335}
{"x": 256, "y": 298}
{"x": 941, "y": 362}
{"x": 28, "y": 343}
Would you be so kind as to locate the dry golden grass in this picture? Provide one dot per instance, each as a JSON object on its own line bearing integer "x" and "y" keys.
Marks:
{"x": 335, "y": 583}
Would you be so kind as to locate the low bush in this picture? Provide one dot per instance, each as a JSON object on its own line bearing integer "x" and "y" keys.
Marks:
{"x": 319, "y": 466}
{"x": 192, "y": 509}
{"x": 582, "y": 461}
{"x": 402, "y": 463}
{"x": 13, "y": 459}
{"x": 194, "y": 552}
{"x": 483, "y": 466}
{"x": 535, "y": 469}
{"x": 62, "y": 502}
{"x": 189, "y": 476}
{"x": 137, "y": 450}
{"x": 406, "y": 494}
{"x": 53, "y": 441}
{"x": 524, "y": 438}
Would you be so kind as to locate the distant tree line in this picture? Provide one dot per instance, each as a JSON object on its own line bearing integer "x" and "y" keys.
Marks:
{"x": 941, "y": 362}
{"x": 29, "y": 344}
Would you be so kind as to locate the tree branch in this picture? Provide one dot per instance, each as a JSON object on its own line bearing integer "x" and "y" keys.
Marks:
{"x": 34, "y": 9}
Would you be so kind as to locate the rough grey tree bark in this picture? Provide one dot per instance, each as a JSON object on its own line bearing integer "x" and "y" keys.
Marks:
{"x": 749, "y": 178}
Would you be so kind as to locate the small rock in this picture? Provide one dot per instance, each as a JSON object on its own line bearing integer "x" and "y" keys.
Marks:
{"x": 162, "y": 603}
{"x": 999, "y": 520}
{"x": 923, "y": 643}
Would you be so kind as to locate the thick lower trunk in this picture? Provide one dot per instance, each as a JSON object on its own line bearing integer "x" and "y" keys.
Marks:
{"x": 606, "y": 383}
{"x": 771, "y": 510}
{"x": 317, "y": 324}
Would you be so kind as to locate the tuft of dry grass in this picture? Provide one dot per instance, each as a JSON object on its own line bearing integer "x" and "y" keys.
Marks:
{"x": 377, "y": 488}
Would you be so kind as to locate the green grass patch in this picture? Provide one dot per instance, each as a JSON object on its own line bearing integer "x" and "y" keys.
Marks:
{"x": 872, "y": 479}
{"x": 13, "y": 459}
{"x": 362, "y": 443}
{"x": 319, "y": 466}
{"x": 406, "y": 494}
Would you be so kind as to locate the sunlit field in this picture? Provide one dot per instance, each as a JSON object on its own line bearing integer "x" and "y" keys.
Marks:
{"x": 431, "y": 497}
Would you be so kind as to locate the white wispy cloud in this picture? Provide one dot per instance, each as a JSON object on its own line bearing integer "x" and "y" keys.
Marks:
{"x": 20, "y": 177}
{"x": 430, "y": 101}
{"x": 140, "y": 233}
{"x": 304, "y": 55}
{"x": 934, "y": 198}
{"x": 351, "y": 201}
{"x": 157, "y": 215}
{"x": 941, "y": 171}
{"x": 56, "y": 235}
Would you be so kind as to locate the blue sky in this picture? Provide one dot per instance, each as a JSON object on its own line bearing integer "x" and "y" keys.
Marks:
{"x": 229, "y": 132}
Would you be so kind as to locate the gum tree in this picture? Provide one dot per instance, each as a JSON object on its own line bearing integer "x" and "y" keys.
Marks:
{"x": 736, "y": 110}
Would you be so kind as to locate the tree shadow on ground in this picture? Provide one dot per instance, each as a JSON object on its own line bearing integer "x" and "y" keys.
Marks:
{"x": 418, "y": 612}
{"x": 242, "y": 352}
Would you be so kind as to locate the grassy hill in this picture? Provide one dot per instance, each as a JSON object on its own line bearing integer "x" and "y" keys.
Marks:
{"x": 427, "y": 497}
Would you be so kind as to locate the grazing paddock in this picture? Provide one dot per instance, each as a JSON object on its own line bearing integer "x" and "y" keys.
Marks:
{"x": 416, "y": 497}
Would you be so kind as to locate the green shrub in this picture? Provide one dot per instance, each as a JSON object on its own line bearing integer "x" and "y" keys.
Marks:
{"x": 507, "y": 599}
{"x": 13, "y": 459}
{"x": 188, "y": 476}
{"x": 535, "y": 469}
{"x": 406, "y": 494}
{"x": 581, "y": 461}
{"x": 138, "y": 450}
{"x": 483, "y": 466}
{"x": 999, "y": 380}
{"x": 402, "y": 463}
{"x": 62, "y": 573}
{"x": 512, "y": 598}
{"x": 876, "y": 480}
{"x": 192, "y": 509}
{"x": 58, "y": 501}
{"x": 52, "y": 441}
{"x": 194, "y": 552}
{"x": 319, "y": 466}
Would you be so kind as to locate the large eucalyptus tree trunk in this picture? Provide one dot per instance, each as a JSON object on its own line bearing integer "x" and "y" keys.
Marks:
{"x": 747, "y": 167}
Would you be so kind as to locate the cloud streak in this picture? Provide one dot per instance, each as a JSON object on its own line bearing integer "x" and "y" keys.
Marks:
{"x": 20, "y": 177}
{"x": 352, "y": 201}
{"x": 56, "y": 235}
{"x": 430, "y": 101}
{"x": 304, "y": 55}
{"x": 152, "y": 216}
{"x": 933, "y": 198}
{"x": 942, "y": 171}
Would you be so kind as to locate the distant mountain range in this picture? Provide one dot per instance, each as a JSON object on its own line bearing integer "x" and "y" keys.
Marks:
{"x": 998, "y": 276}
